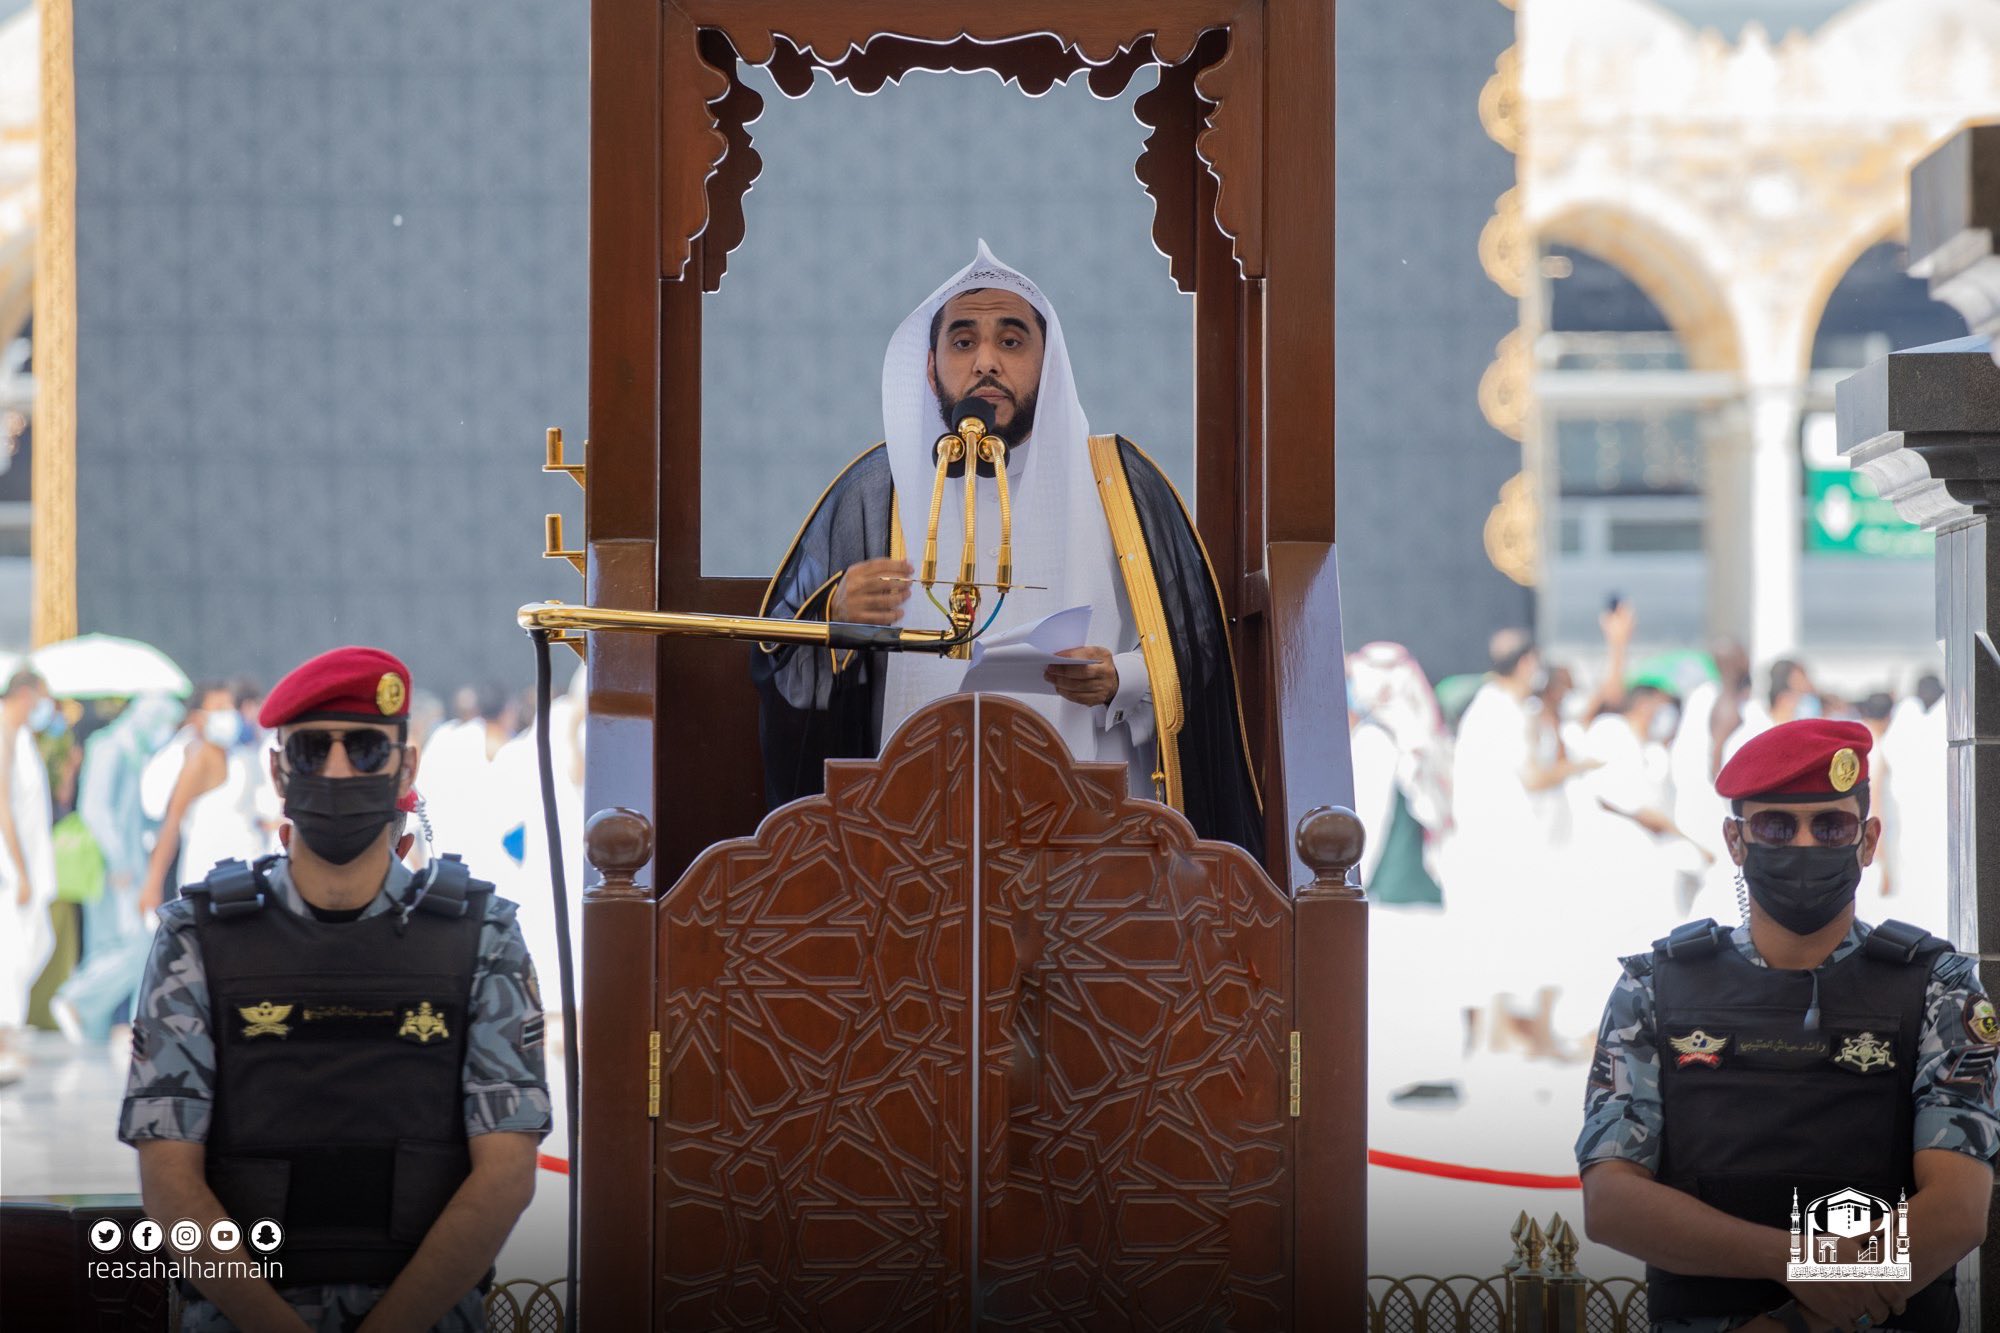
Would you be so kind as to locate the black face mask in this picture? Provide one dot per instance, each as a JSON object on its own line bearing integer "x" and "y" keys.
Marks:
{"x": 1802, "y": 888}
{"x": 340, "y": 818}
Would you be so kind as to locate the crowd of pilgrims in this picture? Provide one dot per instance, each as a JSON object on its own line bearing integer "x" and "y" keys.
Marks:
{"x": 1551, "y": 828}
{"x": 118, "y": 802}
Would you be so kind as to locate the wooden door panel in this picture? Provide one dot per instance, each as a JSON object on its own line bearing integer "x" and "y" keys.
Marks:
{"x": 816, "y": 988}
{"x": 1135, "y": 1138}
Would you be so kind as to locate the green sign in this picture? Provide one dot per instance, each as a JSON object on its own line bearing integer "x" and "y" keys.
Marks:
{"x": 1844, "y": 516}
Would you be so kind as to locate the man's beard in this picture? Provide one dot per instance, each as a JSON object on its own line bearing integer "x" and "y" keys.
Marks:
{"x": 1014, "y": 432}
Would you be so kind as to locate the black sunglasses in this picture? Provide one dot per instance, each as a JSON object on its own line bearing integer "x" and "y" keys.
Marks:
{"x": 1830, "y": 828}
{"x": 367, "y": 749}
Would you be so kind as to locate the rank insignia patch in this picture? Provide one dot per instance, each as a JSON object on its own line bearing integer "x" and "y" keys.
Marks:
{"x": 265, "y": 1019}
{"x": 1971, "y": 1069}
{"x": 1981, "y": 1021}
{"x": 423, "y": 1023}
{"x": 1698, "y": 1048}
{"x": 1864, "y": 1053}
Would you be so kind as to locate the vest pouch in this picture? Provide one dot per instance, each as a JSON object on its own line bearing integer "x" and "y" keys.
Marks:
{"x": 427, "y": 1175}
{"x": 251, "y": 1188}
{"x": 1766, "y": 1200}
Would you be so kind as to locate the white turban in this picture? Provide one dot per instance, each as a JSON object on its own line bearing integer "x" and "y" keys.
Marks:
{"x": 1061, "y": 540}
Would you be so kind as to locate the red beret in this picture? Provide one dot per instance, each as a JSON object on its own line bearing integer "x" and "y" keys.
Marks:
{"x": 347, "y": 684}
{"x": 1810, "y": 759}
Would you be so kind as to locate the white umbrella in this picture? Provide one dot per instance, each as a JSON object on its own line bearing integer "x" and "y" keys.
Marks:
{"x": 104, "y": 666}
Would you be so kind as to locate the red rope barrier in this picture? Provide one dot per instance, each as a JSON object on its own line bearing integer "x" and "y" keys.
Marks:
{"x": 1481, "y": 1175}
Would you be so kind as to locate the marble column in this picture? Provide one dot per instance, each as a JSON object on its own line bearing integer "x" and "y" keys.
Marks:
{"x": 1924, "y": 424}
{"x": 1954, "y": 219}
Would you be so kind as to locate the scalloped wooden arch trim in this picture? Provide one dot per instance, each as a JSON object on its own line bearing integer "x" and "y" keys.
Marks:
{"x": 1208, "y": 108}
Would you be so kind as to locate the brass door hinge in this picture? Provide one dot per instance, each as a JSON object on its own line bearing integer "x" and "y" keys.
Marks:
{"x": 1295, "y": 1075}
{"x": 653, "y": 1075}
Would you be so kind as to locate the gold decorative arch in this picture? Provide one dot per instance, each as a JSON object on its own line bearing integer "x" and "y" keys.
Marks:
{"x": 53, "y": 543}
{"x": 1664, "y": 269}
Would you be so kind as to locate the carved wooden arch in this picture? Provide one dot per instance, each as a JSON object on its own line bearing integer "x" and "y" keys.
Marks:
{"x": 1208, "y": 105}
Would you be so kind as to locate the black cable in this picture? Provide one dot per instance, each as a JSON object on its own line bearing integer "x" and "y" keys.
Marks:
{"x": 566, "y": 973}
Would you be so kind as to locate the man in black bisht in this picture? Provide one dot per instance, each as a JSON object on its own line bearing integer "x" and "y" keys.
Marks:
{"x": 1096, "y": 525}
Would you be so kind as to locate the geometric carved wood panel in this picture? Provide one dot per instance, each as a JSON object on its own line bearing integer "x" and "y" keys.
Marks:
{"x": 818, "y": 1122}
{"x": 1136, "y": 1141}
{"x": 815, "y": 1021}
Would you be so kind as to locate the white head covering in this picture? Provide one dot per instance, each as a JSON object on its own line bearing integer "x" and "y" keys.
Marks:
{"x": 1061, "y": 540}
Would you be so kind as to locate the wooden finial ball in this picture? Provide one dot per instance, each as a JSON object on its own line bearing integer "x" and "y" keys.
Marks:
{"x": 1330, "y": 839}
{"x": 618, "y": 842}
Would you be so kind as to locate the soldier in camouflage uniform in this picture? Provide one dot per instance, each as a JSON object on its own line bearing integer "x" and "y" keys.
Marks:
{"x": 1737, "y": 1080}
{"x": 356, "y": 1088}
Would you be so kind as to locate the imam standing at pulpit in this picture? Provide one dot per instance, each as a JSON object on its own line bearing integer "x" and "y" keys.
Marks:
{"x": 1093, "y": 523}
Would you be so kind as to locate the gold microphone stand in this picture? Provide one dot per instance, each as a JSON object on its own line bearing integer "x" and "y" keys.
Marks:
{"x": 971, "y": 444}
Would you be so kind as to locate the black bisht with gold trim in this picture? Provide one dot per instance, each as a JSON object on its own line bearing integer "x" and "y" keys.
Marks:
{"x": 1198, "y": 719}
{"x": 338, "y": 1105}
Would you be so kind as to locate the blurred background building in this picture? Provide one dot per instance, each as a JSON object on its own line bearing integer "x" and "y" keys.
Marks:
{"x": 1707, "y": 235}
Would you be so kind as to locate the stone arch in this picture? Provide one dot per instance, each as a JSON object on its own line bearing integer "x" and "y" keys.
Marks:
{"x": 1664, "y": 266}
{"x": 1889, "y": 223}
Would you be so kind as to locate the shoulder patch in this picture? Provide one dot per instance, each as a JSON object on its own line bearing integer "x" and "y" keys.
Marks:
{"x": 1982, "y": 1024}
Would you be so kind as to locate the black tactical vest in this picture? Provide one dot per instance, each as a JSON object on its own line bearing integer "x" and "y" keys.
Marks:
{"x": 339, "y": 1046}
{"x": 1757, "y": 1105}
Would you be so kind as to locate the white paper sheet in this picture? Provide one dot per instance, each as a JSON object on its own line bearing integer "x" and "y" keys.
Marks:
{"x": 1013, "y": 662}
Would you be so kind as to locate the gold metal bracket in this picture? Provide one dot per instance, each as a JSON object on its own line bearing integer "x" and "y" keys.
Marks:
{"x": 552, "y": 529}
{"x": 555, "y": 463}
{"x": 552, "y": 544}
{"x": 1296, "y": 1079}
{"x": 653, "y": 1075}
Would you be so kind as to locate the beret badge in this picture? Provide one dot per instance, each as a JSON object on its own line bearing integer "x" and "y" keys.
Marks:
{"x": 1844, "y": 771}
{"x": 389, "y": 695}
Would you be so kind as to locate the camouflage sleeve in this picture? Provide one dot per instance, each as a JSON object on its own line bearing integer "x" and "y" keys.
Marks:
{"x": 1622, "y": 1115}
{"x": 504, "y": 1081}
{"x": 171, "y": 1085}
{"x": 1953, "y": 1086}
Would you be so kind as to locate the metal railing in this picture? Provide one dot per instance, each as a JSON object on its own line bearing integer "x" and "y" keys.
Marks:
{"x": 1538, "y": 1290}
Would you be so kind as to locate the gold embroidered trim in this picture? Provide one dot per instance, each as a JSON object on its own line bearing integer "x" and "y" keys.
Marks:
{"x": 1142, "y": 589}
{"x": 1228, "y": 644}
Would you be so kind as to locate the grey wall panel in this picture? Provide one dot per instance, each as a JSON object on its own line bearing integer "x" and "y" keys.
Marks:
{"x": 331, "y": 283}
{"x": 1416, "y": 321}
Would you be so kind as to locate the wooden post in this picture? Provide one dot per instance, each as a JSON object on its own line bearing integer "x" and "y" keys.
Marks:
{"x": 615, "y": 1284}
{"x": 1330, "y": 976}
